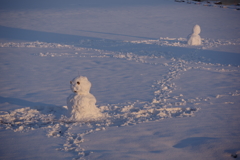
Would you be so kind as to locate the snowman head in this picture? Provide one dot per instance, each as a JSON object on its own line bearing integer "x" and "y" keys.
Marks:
{"x": 196, "y": 29}
{"x": 80, "y": 85}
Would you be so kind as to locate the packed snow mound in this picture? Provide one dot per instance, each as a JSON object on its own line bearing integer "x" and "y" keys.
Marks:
{"x": 194, "y": 39}
{"x": 81, "y": 104}
{"x": 196, "y": 30}
{"x": 80, "y": 85}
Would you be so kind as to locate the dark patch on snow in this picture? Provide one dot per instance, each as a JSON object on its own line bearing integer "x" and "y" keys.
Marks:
{"x": 157, "y": 151}
{"x": 193, "y": 142}
{"x": 21, "y": 102}
{"x": 234, "y": 155}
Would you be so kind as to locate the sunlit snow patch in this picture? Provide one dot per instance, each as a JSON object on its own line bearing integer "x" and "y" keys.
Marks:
{"x": 27, "y": 119}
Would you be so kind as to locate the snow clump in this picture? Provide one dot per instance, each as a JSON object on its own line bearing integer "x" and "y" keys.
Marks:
{"x": 81, "y": 103}
{"x": 194, "y": 39}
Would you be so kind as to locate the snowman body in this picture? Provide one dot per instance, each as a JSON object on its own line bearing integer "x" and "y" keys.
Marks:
{"x": 81, "y": 103}
{"x": 194, "y": 39}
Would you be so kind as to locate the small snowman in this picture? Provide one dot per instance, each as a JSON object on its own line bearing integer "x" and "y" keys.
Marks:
{"x": 81, "y": 103}
{"x": 194, "y": 39}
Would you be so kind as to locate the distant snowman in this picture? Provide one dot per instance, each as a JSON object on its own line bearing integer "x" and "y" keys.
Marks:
{"x": 194, "y": 39}
{"x": 81, "y": 103}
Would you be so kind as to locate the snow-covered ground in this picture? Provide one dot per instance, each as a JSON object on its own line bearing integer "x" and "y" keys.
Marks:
{"x": 162, "y": 98}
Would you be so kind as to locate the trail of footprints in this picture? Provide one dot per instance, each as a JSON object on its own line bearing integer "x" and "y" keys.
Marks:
{"x": 163, "y": 106}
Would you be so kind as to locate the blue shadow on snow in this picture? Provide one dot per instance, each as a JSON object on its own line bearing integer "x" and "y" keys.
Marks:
{"x": 193, "y": 142}
{"x": 21, "y": 102}
{"x": 192, "y": 54}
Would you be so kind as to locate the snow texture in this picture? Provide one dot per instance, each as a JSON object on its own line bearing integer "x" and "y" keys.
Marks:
{"x": 160, "y": 97}
{"x": 82, "y": 104}
{"x": 194, "y": 39}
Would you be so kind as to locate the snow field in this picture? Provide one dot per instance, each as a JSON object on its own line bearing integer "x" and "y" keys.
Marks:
{"x": 148, "y": 20}
{"x": 163, "y": 98}
{"x": 173, "y": 94}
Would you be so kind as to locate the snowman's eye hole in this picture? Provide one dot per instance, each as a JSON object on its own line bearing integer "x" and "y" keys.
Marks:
{"x": 78, "y": 83}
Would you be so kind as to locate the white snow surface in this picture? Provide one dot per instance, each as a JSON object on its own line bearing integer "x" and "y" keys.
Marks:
{"x": 161, "y": 98}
